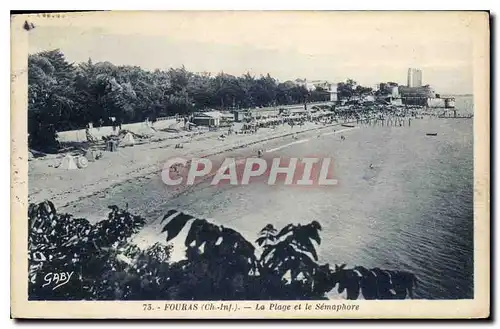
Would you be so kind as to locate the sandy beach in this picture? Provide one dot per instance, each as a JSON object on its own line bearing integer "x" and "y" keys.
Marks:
{"x": 66, "y": 188}
{"x": 131, "y": 178}
{"x": 418, "y": 191}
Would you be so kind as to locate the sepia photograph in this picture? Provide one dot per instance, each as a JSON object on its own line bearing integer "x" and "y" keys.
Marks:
{"x": 250, "y": 164}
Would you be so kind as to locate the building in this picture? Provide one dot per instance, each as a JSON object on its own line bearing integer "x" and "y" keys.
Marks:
{"x": 417, "y": 95}
{"x": 414, "y": 77}
{"x": 333, "y": 93}
{"x": 306, "y": 84}
{"x": 209, "y": 118}
{"x": 323, "y": 84}
{"x": 422, "y": 91}
{"x": 395, "y": 91}
{"x": 240, "y": 116}
{"x": 330, "y": 88}
{"x": 314, "y": 84}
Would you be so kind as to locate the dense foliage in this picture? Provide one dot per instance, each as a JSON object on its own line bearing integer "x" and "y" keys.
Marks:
{"x": 220, "y": 264}
{"x": 65, "y": 96}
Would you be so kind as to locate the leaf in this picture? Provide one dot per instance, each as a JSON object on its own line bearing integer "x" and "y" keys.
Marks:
{"x": 169, "y": 213}
{"x": 209, "y": 234}
{"x": 247, "y": 249}
{"x": 39, "y": 257}
{"x": 50, "y": 208}
{"x": 175, "y": 225}
{"x": 269, "y": 228}
{"x": 260, "y": 241}
{"x": 313, "y": 234}
{"x": 308, "y": 262}
{"x": 231, "y": 236}
{"x": 194, "y": 231}
{"x": 307, "y": 246}
{"x": 267, "y": 251}
{"x": 285, "y": 230}
{"x": 32, "y": 210}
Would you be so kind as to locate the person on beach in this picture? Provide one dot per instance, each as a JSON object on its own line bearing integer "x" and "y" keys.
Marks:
{"x": 371, "y": 166}
{"x": 259, "y": 153}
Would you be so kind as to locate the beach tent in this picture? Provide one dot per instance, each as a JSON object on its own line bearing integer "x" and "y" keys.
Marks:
{"x": 175, "y": 127}
{"x": 68, "y": 163}
{"x": 128, "y": 139}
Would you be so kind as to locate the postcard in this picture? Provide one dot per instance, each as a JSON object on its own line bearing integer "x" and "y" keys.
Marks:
{"x": 250, "y": 164}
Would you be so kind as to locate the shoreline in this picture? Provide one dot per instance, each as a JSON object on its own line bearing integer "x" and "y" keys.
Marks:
{"x": 145, "y": 160}
{"x": 148, "y": 195}
{"x": 151, "y": 231}
{"x": 66, "y": 188}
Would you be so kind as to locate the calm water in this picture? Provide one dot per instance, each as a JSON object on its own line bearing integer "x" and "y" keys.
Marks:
{"x": 413, "y": 211}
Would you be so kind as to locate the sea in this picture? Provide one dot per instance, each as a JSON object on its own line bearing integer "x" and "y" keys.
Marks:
{"x": 412, "y": 211}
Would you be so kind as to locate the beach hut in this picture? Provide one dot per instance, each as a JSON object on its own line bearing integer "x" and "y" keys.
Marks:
{"x": 127, "y": 140}
{"x": 68, "y": 163}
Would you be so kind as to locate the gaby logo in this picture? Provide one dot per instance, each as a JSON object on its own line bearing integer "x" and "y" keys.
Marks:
{"x": 309, "y": 171}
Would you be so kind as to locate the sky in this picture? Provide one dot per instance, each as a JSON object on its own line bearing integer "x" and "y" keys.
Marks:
{"x": 369, "y": 47}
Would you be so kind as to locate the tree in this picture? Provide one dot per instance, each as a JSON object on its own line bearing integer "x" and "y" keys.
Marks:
{"x": 220, "y": 263}
{"x": 362, "y": 91}
{"x": 65, "y": 96}
{"x": 60, "y": 243}
{"x": 50, "y": 92}
{"x": 344, "y": 91}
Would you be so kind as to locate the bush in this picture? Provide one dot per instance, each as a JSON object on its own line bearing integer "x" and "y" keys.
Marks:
{"x": 220, "y": 263}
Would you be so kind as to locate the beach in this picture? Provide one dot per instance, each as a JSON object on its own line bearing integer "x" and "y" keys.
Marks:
{"x": 413, "y": 211}
{"x": 133, "y": 164}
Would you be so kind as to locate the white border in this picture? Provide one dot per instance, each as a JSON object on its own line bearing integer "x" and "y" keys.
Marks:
{"x": 256, "y": 4}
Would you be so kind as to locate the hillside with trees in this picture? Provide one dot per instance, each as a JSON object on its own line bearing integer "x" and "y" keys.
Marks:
{"x": 67, "y": 96}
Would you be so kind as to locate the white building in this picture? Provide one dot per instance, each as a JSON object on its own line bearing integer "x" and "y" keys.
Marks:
{"x": 314, "y": 84}
{"x": 414, "y": 77}
{"x": 333, "y": 92}
{"x": 323, "y": 84}
{"x": 395, "y": 91}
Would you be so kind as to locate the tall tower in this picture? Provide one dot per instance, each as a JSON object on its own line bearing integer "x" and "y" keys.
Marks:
{"x": 418, "y": 79}
{"x": 410, "y": 77}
